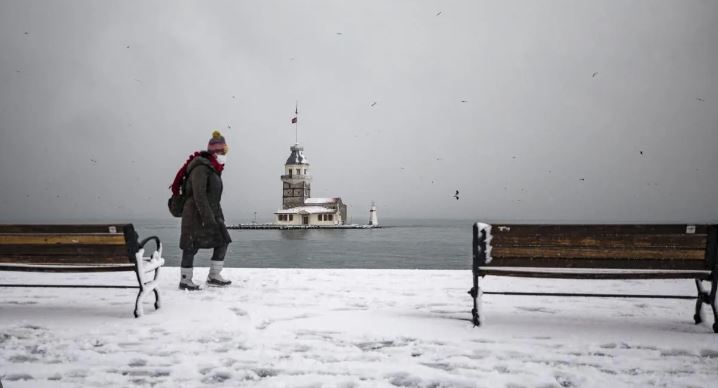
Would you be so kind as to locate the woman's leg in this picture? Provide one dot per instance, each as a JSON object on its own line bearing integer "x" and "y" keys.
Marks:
{"x": 187, "y": 270}
{"x": 215, "y": 278}
{"x": 219, "y": 253}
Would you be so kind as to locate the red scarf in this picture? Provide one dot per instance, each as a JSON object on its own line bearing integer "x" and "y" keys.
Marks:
{"x": 182, "y": 171}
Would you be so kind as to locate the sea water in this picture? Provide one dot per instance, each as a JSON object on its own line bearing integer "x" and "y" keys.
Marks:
{"x": 399, "y": 244}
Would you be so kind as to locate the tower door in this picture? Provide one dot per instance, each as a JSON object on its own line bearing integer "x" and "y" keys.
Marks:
{"x": 305, "y": 220}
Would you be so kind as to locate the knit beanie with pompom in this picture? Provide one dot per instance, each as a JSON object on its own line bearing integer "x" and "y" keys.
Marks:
{"x": 217, "y": 143}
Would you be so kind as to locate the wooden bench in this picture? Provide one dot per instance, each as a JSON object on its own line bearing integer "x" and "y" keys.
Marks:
{"x": 598, "y": 252}
{"x": 81, "y": 248}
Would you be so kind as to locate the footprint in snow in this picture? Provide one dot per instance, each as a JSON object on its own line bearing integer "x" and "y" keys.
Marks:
{"x": 536, "y": 309}
{"x": 137, "y": 362}
{"x": 20, "y": 358}
{"x": 154, "y": 373}
{"x": 710, "y": 353}
{"x": 265, "y": 372}
{"x": 566, "y": 380}
{"x": 238, "y": 311}
{"x": 217, "y": 376}
{"x": 369, "y": 346}
{"x": 676, "y": 353}
{"x": 33, "y": 327}
{"x": 438, "y": 365}
{"x": 483, "y": 341}
{"x": 18, "y": 377}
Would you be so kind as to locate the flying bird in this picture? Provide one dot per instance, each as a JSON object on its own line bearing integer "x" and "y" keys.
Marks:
{"x": 438, "y": 13}
{"x": 463, "y": 101}
{"x": 339, "y": 33}
{"x": 641, "y": 152}
{"x": 700, "y": 99}
{"x": 373, "y": 103}
{"x": 595, "y": 73}
{"x": 27, "y": 33}
{"x": 456, "y": 195}
{"x": 582, "y": 179}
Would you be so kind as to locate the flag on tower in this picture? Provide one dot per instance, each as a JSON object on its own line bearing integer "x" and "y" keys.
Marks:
{"x": 294, "y": 120}
{"x": 296, "y": 114}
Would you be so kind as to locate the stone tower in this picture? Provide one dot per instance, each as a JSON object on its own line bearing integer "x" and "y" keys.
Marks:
{"x": 296, "y": 181}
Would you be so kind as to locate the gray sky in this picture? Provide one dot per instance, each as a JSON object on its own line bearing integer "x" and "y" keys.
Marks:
{"x": 535, "y": 110}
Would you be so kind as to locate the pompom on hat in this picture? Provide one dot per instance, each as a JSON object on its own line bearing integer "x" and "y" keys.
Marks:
{"x": 217, "y": 143}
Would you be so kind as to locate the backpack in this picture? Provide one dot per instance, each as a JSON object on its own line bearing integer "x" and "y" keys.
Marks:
{"x": 176, "y": 201}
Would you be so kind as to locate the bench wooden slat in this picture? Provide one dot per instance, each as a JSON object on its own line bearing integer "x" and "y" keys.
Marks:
{"x": 671, "y": 241}
{"x": 59, "y": 228}
{"x": 596, "y": 230}
{"x": 570, "y": 253}
{"x": 560, "y": 273}
{"x": 573, "y": 262}
{"x": 66, "y": 268}
{"x": 63, "y": 250}
{"x": 70, "y": 239}
{"x": 65, "y": 260}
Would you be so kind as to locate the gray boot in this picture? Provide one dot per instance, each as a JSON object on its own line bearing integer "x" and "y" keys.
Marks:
{"x": 186, "y": 282}
{"x": 215, "y": 278}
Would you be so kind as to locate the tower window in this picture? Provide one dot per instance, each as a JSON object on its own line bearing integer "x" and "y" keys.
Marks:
{"x": 290, "y": 172}
{"x": 291, "y": 217}
{"x": 298, "y": 172}
{"x": 305, "y": 171}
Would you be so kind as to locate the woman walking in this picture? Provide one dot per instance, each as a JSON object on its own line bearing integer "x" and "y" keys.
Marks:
{"x": 202, "y": 218}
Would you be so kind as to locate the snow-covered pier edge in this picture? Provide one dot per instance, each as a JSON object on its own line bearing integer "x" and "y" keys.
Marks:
{"x": 283, "y": 227}
{"x": 350, "y": 328}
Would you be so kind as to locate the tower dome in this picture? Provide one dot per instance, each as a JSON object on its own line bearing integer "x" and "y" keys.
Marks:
{"x": 296, "y": 181}
{"x": 297, "y": 155}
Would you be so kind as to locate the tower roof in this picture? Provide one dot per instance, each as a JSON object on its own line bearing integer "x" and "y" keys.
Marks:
{"x": 297, "y": 155}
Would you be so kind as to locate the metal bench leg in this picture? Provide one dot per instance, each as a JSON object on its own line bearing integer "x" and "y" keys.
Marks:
{"x": 475, "y": 293}
{"x": 712, "y": 301}
{"x": 156, "y": 289}
{"x": 157, "y": 299}
{"x": 700, "y": 299}
{"x": 139, "y": 311}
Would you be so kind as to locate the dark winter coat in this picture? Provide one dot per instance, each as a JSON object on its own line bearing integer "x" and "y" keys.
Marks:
{"x": 202, "y": 217}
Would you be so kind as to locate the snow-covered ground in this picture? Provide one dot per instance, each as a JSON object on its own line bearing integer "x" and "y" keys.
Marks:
{"x": 350, "y": 328}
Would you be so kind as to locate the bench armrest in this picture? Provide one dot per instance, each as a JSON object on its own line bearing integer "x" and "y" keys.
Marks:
{"x": 145, "y": 241}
